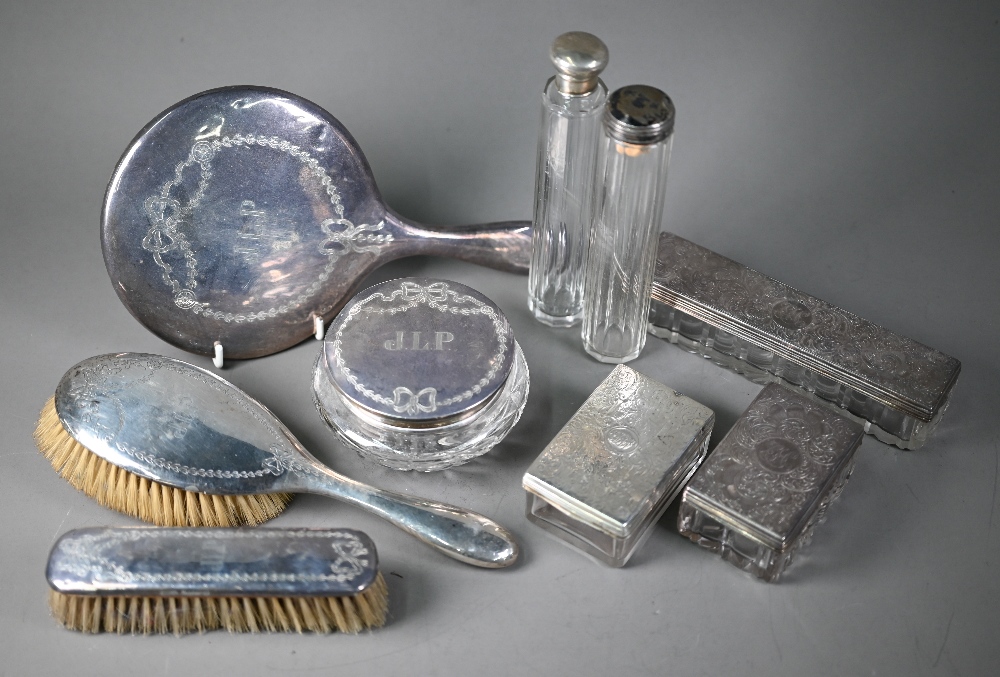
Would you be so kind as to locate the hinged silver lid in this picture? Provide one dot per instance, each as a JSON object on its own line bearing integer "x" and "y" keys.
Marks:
{"x": 771, "y": 472}
{"x": 632, "y": 443}
{"x": 419, "y": 351}
{"x": 892, "y": 369}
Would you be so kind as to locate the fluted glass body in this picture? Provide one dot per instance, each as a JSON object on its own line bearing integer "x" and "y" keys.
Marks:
{"x": 564, "y": 186}
{"x": 619, "y": 271}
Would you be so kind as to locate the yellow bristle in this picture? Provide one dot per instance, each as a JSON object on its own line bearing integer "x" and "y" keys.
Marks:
{"x": 306, "y": 614}
{"x": 159, "y": 624}
{"x": 110, "y": 622}
{"x": 294, "y": 622}
{"x": 132, "y": 616}
{"x": 191, "y": 506}
{"x": 351, "y": 614}
{"x": 126, "y": 492}
{"x": 278, "y": 614}
{"x": 264, "y": 614}
{"x": 181, "y": 615}
{"x": 336, "y": 610}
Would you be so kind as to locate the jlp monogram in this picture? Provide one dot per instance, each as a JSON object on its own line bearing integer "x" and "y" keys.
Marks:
{"x": 410, "y": 340}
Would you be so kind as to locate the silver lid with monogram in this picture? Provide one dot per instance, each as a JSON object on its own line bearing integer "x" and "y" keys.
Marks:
{"x": 418, "y": 352}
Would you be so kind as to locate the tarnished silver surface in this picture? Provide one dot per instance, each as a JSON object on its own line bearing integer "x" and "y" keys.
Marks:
{"x": 182, "y": 426}
{"x": 579, "y": 59}
{"x": 773, "y": 470}
{"x": 840, "y": 348}
{"x": 241, "y": 213}
{"x": 155, "y": 561}
{"x": 624, "y": 455}
{"x": 419, "y": 351}
{"x": 639, "y": 114}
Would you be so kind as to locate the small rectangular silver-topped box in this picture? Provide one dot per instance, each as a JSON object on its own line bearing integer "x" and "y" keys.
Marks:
{"x": 764, "y": 329}
{"x": 609, "y": 474}
{"x": 756, "y": 498}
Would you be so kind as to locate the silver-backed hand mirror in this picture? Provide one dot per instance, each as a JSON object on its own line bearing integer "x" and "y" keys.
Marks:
{"x": 240, "y": 215}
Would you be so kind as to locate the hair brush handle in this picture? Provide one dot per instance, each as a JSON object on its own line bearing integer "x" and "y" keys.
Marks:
{"x": 504, "y": 245}
{"x": 458, "y": 533}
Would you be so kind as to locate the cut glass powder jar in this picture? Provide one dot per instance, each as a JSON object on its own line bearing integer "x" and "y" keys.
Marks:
{"x": 421, "y": 374}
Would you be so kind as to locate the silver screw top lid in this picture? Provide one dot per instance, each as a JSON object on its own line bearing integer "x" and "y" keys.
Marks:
{"x": 639, "y": 114}
{"x": 579, "y": 59}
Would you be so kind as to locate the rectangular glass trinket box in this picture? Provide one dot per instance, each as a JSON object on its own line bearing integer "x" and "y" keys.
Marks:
{"x": 767, "y": 331}
{"x": 609, "y": 474}
{"x": 757, "y": 497}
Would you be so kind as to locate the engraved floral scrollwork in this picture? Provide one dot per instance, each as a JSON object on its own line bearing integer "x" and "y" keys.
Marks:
{"x": 776, "y": 458}
{"x": 720, "y": 291}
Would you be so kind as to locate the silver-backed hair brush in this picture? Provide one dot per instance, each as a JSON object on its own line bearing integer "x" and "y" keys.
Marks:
{"x": 172, "y": 444}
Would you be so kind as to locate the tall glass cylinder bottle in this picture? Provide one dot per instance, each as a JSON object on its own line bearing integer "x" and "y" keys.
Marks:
{"x": 638, "y": 126}
{"x": 572, "y": 105}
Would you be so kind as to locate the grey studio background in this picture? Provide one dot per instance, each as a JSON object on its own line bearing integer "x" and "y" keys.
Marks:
{"x": 849, "y": 149}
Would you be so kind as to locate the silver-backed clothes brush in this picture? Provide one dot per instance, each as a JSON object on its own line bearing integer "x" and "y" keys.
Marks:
{"x": 175, "y": 445}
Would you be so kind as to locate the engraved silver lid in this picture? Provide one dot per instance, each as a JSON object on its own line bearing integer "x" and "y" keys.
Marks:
{"x": 840, "y": 347}
{"x": 624, "y": 455}
{"x": 579, "y": 59}
{"x": 639, "y": 114}
{"x": 775, "y": 468}
{"x": 419, "y": 352}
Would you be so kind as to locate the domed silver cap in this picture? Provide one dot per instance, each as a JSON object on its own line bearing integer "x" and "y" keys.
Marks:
{"x": 639, "y": 114}
{"x": 579, "y": 59}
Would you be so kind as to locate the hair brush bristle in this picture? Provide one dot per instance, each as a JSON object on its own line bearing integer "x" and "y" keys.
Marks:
{"x": 181, "y": 615}
{"x": 150, "y": 501}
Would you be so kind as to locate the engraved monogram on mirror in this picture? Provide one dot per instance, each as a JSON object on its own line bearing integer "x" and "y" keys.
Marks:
{"x": 262, "y": 237}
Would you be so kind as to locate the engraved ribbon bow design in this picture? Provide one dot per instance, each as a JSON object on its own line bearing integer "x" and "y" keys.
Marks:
{"x": 415, "y": 293}
{"x": 350, "y": 238}
{"x": 406, "y": 400}
{"x": 159, "y": 238}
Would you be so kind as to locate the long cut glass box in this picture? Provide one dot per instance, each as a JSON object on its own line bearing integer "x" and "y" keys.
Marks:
{"x": 767, "y": 331}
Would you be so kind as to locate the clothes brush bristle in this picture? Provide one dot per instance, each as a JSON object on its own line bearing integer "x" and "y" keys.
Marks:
{"x": 182, "y": 615}
{"x": 150, "y": 501}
